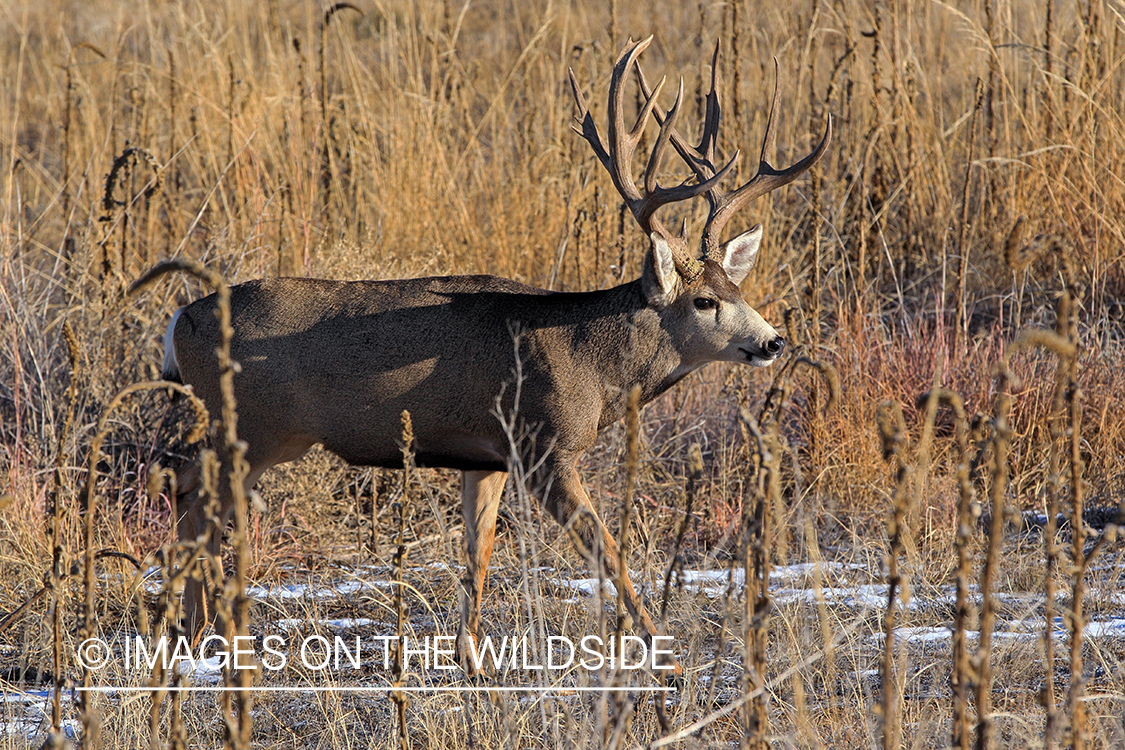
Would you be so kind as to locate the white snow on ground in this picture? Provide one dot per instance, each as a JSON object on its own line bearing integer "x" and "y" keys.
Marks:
{"x": 32, "y": 728}
{"x": 588, "y": 587}
{"x": 27, "y": 728}
{"x": 919, "y": 634}
{"x": 437, "y": 566}
{"x": 202, "y": 671}
{"x": 25, "y": 696}
{"x": 712, "y": 583}
{"x": 1112, "y": 597}
{"x": 797, "y": 570}
{"x": 873, "y": 596}
{"x": 343, "y": 623}
{"x": 862, "y": 596}
{"x": 941, "y": 633}
{"x": 153, "y": 581}
{"x": 35, "y": 709}
{"x": 312, "y": 591}
{"x": 1113, "y": 628}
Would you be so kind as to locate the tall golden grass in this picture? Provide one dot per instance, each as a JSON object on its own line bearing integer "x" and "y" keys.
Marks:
{"x": 974, "y": 190}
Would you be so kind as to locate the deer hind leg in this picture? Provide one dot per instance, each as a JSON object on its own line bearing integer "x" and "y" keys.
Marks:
{"x": 566, "y": 499}
{"x": 194, "y": 521}
{"x": 480, "y": 500}
{"x": 192, "y": 526}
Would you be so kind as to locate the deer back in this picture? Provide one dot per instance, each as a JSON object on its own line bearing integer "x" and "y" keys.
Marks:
{"x": 338, "y": 362}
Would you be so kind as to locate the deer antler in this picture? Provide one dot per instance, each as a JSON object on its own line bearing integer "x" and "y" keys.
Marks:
{"x": 616, "y": 157}
{"x": 701, "y": 158}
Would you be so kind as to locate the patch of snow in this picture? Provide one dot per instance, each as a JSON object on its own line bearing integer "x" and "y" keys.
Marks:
{"x": 715, "y": 583}
{"x": 1114, "y": 628}
{"x": 711, "y": 583}
{"x": 1006, "y": 635}
{"x": 28, "y": 728}
{"x": 919, "y": 634}
{"x": 311, "y": 591}
{"x": 588, "y": 586}
{"x": 1011, "y": 632}
{"x": 864, "y": 596}
{"x": 436, "y": 566}
{"x": 343, "y": 623}
{"x": 25, "y": 696}
{"x": 1109, "y": 596}
{"x": 153, "y": 580}
{"x": 208, "y": 670}
{"x": 798, "y": 570}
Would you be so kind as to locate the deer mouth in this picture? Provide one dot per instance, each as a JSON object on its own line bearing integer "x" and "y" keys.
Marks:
{"x": 759, "y": 358}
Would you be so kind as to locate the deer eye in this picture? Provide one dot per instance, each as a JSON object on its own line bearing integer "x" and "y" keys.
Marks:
{"x": 705, "y": 303}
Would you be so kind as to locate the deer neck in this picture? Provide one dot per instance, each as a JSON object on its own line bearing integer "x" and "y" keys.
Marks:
{"x": 631, "y": 348}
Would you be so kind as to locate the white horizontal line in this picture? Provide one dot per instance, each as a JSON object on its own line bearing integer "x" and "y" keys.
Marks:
{"x": 368, "y": 689}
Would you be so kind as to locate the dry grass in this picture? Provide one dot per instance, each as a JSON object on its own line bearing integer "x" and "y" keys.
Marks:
{"x": 974, "y": 182}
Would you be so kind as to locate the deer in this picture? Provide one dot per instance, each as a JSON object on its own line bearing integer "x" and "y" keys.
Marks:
{"x": 336, "y": 363}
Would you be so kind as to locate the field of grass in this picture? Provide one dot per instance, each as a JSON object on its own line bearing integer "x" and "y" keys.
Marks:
{"x": 840, "y": 559}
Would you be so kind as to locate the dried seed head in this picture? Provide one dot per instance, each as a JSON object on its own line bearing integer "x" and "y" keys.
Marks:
{"x": 1012, "y": 248}
{"x": 892, "y": 427}
{"x": 695, "y": 459}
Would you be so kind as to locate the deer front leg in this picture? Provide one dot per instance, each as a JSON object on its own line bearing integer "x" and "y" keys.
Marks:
{"x": 480, "y": 500}
{"x": 566, "y": 499}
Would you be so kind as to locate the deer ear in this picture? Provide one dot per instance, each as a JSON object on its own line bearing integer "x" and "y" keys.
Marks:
{"x": 659, "y": 274}
{"x": 740, "y": 254}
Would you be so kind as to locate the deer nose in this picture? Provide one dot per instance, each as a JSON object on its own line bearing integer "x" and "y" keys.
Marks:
{"x": 775, "y": 347}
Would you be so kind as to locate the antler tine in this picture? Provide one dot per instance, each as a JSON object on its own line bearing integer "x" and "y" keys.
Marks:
{"x": 700, "y": 158}
{"x": 769, "y": 142}
{"x": 710, "y": 134}
{"x": 646, "y": 110}
{"x": 589, "y": 130}
{"x": 765, "y": 181}
{"x": 767, "y": 178}
{"x": 616, "y": 157}
{"x": 622, "y": 141}
{"x": 666, "y": 127}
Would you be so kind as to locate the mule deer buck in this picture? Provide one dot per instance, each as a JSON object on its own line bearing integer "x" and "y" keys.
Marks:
{"x": 337, "y": 363}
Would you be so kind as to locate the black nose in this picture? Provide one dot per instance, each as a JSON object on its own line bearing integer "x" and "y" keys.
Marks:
{"x": 775, "y": 347}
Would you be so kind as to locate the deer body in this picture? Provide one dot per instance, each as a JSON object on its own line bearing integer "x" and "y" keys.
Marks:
{"x": 337, "y": 363}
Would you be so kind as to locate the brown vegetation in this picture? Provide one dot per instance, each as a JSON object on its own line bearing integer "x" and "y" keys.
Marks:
{"x": 974, "y": 190}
